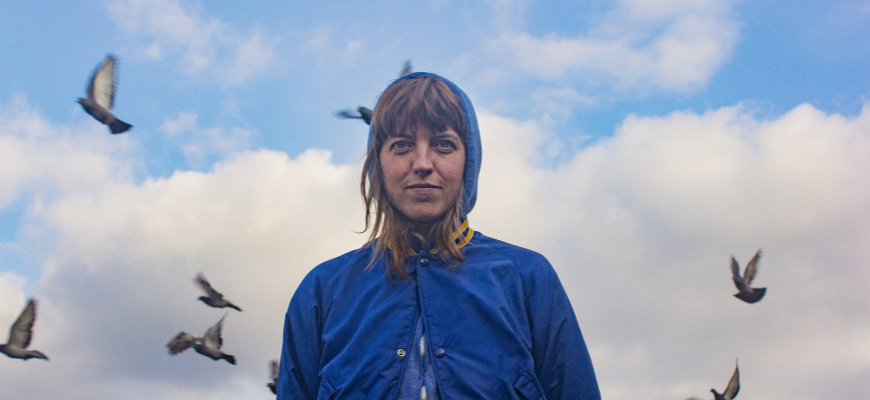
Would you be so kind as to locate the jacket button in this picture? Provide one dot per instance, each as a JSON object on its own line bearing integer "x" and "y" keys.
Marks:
{"x": 424, "y": 262}
{"x": 401, "y": 352}
{"x": 440, "y": 352}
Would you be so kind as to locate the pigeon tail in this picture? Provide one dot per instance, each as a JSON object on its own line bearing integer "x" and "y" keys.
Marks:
{"x": 230, "y": 359}
{"x": 117, "y": 126}
{"x": 752, "y": 296}
{"x": 233, "y": 306}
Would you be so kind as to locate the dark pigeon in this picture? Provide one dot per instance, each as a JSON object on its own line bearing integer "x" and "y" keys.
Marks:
{"x": 273, "y": 370}
{"x": 209, "y": 345}
{"x": 212, "y": 297}
{"x": 365, "y": 113}
{"x": 101, "y": 97}
{"x": 745, "y": 292}
{"x": 732, "y": 388}
{"x": 20, "y": 335}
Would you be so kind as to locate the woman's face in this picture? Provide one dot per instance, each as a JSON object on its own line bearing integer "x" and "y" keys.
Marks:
{"x": 423, "y": 172}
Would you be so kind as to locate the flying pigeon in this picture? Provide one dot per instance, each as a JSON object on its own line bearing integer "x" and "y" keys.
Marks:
{"x": 209, "y": 345}
{"x": 732, "y": 388}
{"x": 101, "y": 96}
{"x": 212, "y": 297}
{"x": 745, "y": 292}
{"x": 365, "y": 113}
{"x": 273, "y": 368}
{"x": 20, "y": 335}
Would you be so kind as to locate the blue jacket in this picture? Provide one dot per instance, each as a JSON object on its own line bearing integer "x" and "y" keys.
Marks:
{"x": 499, "y": 326}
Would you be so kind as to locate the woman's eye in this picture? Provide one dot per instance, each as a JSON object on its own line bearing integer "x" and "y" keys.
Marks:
{"x": 401, "y": 145}
{"x": 445, "y": 145}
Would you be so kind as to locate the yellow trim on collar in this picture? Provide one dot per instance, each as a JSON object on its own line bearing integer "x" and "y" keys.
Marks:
{"x": 461, "y": 237}
{"x": 464, "y": 235}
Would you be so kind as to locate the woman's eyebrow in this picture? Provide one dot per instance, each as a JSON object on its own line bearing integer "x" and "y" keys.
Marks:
{"x": 442, "y": 135}
{"x": 400, "y": 135}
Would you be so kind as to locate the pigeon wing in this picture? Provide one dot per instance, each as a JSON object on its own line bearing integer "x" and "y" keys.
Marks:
{"x": 213, "y": 335}
{"x": 273, "y": 383}
{"x": 22, "y": 330}
{"x": 274, "y": 369}
{"x": 735, "y": 275}
{"x": 751, "y": 268}
{"x": 406, "y": 69}
{"x": 206, "y": 287}
{"x": 733, "y": 384}
{"x": 366, "y": 114}
{"x": 101, "y": 89}
{"x": 180, "y": 342}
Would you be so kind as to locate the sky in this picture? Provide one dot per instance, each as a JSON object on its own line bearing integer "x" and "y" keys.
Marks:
{"x": 638, "y": 145}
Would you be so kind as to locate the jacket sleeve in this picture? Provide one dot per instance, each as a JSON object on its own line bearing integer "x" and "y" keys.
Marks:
{"x": 562, "y": 362}
{"x": 299, "y": 371}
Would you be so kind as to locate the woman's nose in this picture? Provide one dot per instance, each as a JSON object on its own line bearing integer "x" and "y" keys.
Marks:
{"x": 422, "y": 160}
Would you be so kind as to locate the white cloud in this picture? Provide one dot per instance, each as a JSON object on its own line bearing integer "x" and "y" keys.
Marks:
{"x": 331, "y": 48}
{"x": 185, "y": 122}
{"x": 202, "y": 146}
{"x": 205, "y": 44}
{"x": 640, "y": 226}
{"x": 40, "y": 157}
{"x": 118, "y": 259}
{"x": 11, "y": 299}
{"x": 639, "y": 46}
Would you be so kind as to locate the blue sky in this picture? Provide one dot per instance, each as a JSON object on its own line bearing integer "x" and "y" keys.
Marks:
{"x": 326, "y": 57}
{"x": 636, "y": 144}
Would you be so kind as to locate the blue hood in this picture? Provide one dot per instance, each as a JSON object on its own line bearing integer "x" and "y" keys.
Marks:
{"x": 472, "y": 143}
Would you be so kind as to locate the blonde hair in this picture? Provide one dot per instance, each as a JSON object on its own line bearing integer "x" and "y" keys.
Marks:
{"x": 411, "y": 101}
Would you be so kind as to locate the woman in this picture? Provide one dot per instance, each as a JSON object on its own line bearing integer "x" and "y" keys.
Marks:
{"x": 429, "y": 308}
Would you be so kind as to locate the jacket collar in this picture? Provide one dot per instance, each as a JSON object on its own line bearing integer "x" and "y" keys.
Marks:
{"x": 461, "y": 237}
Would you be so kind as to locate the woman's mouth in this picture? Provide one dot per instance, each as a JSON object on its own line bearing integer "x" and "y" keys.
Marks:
{"x": 422, "y": 189}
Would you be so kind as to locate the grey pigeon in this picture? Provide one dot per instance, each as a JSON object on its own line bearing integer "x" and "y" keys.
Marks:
{"x": 745, "y": 292}
{"x": 212, "y": 297}
{"x": 732, "y": 388}
{"x": 20, "y": 335}
{"x": 209, "y": 345}
{"x": 101, "y": 96}
{"x": 365, "y": 113}
{"x": 273, "y": 369}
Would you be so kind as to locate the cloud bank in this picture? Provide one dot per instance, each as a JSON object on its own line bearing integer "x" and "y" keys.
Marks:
{"x": 205, "y": 45}
{"x": 638, "y": 46}
{"x": 640, "y": 226}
